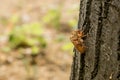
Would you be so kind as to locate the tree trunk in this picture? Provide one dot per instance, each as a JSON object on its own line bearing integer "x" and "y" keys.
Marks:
{"x": 100, "y": 21}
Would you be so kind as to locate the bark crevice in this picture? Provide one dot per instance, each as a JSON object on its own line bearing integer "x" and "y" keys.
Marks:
{"x": 86, "y": 28}
{"x": 106, "y": 8}
{"x": 118, "y": 56}
{"x": 82, "y": 67}
{"x": 74, "y": 69}
{"x": 98, "y": 44}
{"x": 86, "y": 24}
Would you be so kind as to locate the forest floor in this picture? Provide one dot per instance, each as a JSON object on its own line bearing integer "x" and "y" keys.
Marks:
{"x": 52, "y": 63}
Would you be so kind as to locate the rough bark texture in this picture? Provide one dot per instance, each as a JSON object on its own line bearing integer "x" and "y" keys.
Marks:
{"x": 100, "y": 21}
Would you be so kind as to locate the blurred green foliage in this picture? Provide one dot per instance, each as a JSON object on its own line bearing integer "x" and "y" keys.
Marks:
{"x": 72, "y": 23}
{"x": 52, "y": 18}
{"x": 3, "y": 20}
{"x": 28, "y": 35}
{"x": 14, "y": 19}
{"x": 60, "y": 38}
{"x": 29, "y": 39}
{"x": 68, "y": 46}
{"x": 5, "y": 49}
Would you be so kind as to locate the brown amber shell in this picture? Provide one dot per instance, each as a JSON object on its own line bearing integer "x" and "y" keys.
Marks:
{"x": 77, "y": 40}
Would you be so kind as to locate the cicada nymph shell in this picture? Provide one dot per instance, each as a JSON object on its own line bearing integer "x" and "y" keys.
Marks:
{"x": 77, "y": 40}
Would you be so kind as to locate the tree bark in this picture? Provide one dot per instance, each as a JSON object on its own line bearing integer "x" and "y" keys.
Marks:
{"x": 100, "y": 21}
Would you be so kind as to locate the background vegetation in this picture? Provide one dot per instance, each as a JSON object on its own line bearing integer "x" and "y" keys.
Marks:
{"x": 34, "y": 38}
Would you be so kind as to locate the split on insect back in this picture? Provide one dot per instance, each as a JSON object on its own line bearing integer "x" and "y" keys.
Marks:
{"x": 77, "y": 40}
